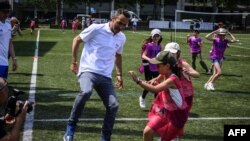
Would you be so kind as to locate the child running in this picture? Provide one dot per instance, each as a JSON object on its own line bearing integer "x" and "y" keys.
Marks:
{"x": 195, "y": 45}
{"x": 150, "y": 48}
{"x": 32, "y": 26}
{"x": 219, "y": 46}
{"x": 63, "y": 24}
{"x": 187, "y": 72}
{"x": 168, "y": 114}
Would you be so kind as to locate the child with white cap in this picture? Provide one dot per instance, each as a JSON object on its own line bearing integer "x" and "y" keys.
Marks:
{"x": 150, "y": 48}
{"x": 168, "y": 114}
{"x": 186, "y": 73}
{"x": 219, "y": 46}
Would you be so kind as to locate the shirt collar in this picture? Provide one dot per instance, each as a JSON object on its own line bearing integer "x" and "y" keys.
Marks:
{"x": 107, "y": 28}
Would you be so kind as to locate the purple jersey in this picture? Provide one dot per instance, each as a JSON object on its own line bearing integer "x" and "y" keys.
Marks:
{"x": 152, "y": 51}
{"x": 218, "y": 48}
{"x": 194, "y": 44}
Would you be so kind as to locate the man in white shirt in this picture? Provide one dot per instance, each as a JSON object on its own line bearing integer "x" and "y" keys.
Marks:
{"x": 103, "y": 46}
{"x": 134, "y": 21}
{"x": 6, "y": 46}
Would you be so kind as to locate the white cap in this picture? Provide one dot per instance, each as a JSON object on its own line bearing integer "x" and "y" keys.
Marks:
{"x": 172, "y": 47}
{"x": 222, "y": 31}
{"x": 155, "y": 31}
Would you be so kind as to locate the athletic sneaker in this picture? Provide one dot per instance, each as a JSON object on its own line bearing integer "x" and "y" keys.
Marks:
{"x": 210, "y": 86}
{"x": 142, "y": 102}
{"x": 67, "y": 138}
{"x": 69, "y": 135}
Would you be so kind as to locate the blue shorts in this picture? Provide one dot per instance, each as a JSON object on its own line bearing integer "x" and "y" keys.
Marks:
{"x": 4, "y": 71}
{"x": 219, "y": 61}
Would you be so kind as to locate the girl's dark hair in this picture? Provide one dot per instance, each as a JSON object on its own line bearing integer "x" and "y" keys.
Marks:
{"x": 173, "y": 62}
{"x": 176, "y": 70}
{"x": 149, "y": 39}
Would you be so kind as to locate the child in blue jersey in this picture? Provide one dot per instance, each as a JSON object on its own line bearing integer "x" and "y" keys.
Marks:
{"x": 151, "y": 47}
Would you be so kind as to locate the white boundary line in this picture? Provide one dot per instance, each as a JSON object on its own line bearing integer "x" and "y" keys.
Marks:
{"x": 142, "y": 119}
{"x": 28, "y": 125}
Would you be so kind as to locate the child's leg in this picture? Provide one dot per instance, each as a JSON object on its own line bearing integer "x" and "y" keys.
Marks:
{"x": 203, "y": 64}
{"x": 217, "y": 72}
{"x": 148, "y": 134}
{"x": 194, "y": 55}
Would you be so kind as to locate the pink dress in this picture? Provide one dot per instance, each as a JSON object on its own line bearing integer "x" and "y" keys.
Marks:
{"x": 165, "y": 117}
{"x": 63, "y": 24}
{"x": 74, "y": 25}
{"x": 32, "y": 24}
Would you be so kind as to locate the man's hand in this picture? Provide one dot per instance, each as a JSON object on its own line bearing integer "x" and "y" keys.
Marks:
{"x": 14, "y": 64}
{"x": 74, "y": 67}
{"x": 119, "y": 82}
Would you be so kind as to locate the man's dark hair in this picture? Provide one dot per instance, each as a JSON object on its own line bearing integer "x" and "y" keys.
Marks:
{"x": 4, "y": 5}
{"x": 124, "y": 12}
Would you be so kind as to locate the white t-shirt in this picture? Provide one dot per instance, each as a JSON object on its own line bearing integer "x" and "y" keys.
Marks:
{"x": 5, "y": 37}
{"x": 100, "y": 48}
{"x": 134, "y": 20}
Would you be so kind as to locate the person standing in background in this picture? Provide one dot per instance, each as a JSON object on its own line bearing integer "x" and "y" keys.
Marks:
{"x": 134, "y": 21}
{"x": 15, "y": 24}
{"x": 32, "y": 26}
{"x": 83, "y": 23}
{"x": 63, "y": 24}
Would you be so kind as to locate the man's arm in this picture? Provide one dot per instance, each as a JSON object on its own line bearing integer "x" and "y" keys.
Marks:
{"x": 13, "y": 56}
{"x": 118, "y": 63}
{"x": 75, "y": 46}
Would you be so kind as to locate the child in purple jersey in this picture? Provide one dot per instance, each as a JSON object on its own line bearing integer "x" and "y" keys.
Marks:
{"x": 195, "y": 45}
{"x": 220, "y": 44}
{"x": 151, "y": 47}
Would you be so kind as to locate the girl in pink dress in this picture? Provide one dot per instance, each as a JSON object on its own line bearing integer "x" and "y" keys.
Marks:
{"x": 32, "y": 26}
{"x": 74, "y": 25}
{"x": 63, "y": 24}
{"x": 187, "y": 73}
{"x": 168, "y": 113}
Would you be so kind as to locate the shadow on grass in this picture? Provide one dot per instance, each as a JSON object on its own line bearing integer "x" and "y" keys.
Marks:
{"x": 48, "y": 105}
{"x": 193, "y": 115}
{"x": 231, "y": 75}
{"x": 233, "y": 92}
{"x": 24, "y": 74}
{"x": 85, "y": 127}
{"x": 202, "y": 137}
{"x": 225, "y": 74}
{"x": 27, "y": 48}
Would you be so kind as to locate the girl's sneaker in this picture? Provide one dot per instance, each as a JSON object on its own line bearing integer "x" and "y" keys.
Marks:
{"x": 142, "y": 102}
{"x": 210, "y": 86}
